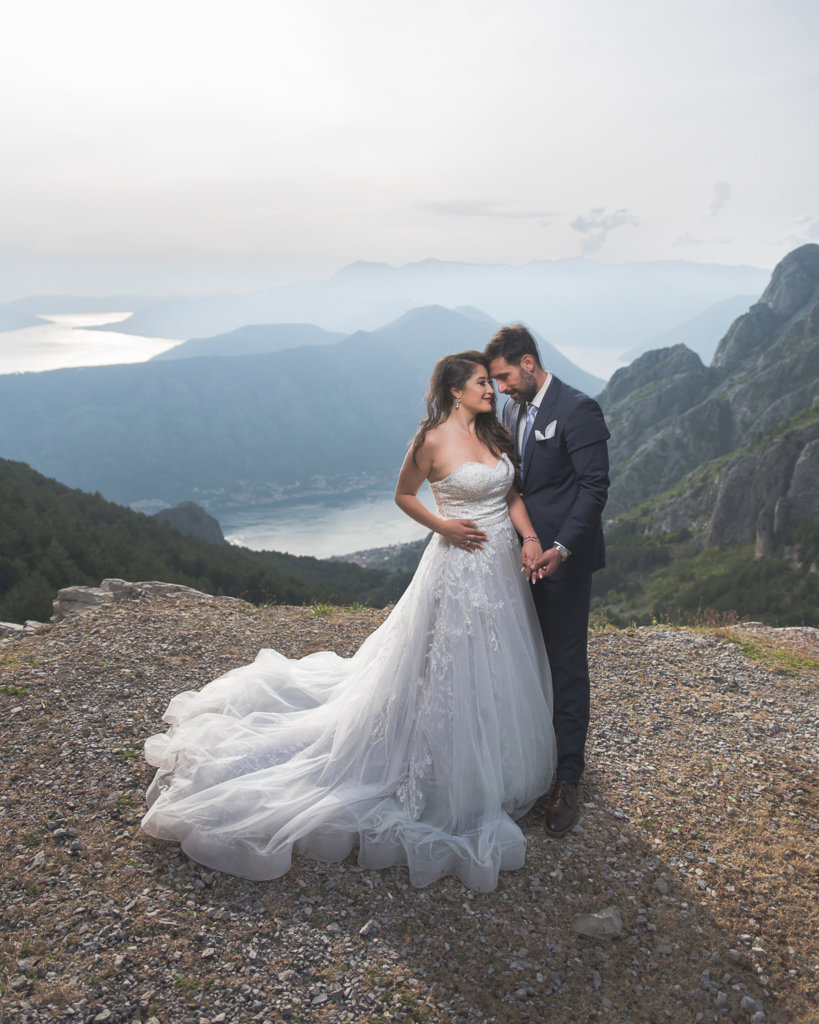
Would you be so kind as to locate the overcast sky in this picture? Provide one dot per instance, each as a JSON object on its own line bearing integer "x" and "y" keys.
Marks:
{"x": 181, "y": 145}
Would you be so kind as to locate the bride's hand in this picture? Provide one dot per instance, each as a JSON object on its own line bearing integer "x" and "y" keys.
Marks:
{"x": 530, "y": 554}
{"x": 463, "y": 533}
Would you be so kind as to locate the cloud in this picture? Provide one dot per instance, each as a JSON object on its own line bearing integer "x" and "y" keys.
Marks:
{"x": 597, "y": 225}
{"x": 484, "y": 208}
{"x": 722, "y": 193}
{"x": 689, "y": 239}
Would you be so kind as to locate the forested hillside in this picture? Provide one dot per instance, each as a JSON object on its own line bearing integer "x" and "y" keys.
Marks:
{"x": 52, "y": 536}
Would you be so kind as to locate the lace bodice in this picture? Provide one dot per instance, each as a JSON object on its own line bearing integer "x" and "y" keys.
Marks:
{"x": 475, "y": 491}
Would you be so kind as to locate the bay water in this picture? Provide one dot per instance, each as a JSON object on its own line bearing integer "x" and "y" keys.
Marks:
{"x": 64, "y": 340}
{"x": 323, "y": 527}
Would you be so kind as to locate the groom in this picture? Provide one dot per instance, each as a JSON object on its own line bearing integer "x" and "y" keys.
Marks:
{"x": 560, "y": 451}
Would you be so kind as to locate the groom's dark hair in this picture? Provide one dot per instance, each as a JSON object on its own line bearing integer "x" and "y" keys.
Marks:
{"x": 511, "y": 344}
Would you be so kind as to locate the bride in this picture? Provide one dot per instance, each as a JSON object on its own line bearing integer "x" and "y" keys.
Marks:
{"x": 424, "y": 746}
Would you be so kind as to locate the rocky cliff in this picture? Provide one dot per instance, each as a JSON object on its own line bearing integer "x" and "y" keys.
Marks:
{"x": 670, "y": 415}
{"x": 756, "y": 495}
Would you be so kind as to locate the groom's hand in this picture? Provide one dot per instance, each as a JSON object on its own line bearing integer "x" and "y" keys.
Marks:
{"x": 547, "y": 563}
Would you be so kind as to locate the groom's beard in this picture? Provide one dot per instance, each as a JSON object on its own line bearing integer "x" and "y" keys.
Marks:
{"x": 527, "y": 389}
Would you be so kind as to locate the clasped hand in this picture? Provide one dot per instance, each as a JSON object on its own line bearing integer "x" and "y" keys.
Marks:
{"x": 543, "y": 564}
{"x": 463, "y": 533}
{"x": 531, "y": 553}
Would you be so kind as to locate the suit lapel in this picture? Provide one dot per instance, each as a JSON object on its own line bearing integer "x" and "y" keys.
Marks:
{"x": 544, "y": 417}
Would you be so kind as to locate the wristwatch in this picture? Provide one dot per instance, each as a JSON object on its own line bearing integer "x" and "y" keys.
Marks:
{"x": 562, "y": 551}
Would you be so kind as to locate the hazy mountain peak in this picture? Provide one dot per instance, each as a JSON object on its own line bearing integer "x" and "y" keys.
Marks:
{"x": 794, "y": 282}
{"x": 476, "y": 314}
{"x": 363, "y": 267}
{"x": 433, "y": 311}
{"x": 793, "y": 288}
{"x": 655, "y": 366}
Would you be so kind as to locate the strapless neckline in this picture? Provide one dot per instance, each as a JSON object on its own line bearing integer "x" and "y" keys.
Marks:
{"x": 471, "y": 462}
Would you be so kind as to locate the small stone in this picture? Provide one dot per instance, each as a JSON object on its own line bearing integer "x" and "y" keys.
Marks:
{"x": 206, "y": 954}
{"x": 661, "y": 885}
{"x": 750, "y": 1005}
{"x": 104, "y": 1016}
{"x": 606, "y": 925}
{"x": 370, "y": 928}
{"x": 19, "y": 983}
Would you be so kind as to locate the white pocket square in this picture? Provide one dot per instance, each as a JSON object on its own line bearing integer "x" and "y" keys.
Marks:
{"x": 544, "y": 435}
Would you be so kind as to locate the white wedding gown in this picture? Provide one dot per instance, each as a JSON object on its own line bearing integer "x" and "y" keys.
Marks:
{"x": 418, "y": 750}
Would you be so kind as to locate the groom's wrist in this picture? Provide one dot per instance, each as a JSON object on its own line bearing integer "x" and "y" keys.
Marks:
{"x": 561, "y": 550}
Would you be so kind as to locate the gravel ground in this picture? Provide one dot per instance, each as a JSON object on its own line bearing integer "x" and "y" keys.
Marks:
{"x": 699, "y": 827}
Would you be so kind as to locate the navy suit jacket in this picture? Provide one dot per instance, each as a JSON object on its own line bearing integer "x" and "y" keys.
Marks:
{"x": 564, "y": 480}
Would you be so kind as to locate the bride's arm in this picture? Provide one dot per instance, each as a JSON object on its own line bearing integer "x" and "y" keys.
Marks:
{"x": 414, "y": 472}
{"x": 531, "y": 550}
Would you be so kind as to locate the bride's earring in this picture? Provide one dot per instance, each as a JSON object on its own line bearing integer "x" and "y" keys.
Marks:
{"x": 458, "y": 403}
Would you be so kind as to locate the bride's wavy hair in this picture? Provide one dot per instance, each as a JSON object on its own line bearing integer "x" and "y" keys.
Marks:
{"x": 453, "y": 372}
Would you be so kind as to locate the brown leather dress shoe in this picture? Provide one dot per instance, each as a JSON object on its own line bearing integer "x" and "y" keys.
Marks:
{"x": 561, "y": 814}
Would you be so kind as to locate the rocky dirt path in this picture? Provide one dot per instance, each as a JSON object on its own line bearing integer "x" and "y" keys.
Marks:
{"x": 699, "y": 826}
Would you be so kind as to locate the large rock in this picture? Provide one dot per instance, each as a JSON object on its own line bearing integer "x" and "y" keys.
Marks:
{"x": 14, "y": 629}
{"x": 123, "y": 590}
{"x": 190, "y": 518}
{"x": 76, "y": 600}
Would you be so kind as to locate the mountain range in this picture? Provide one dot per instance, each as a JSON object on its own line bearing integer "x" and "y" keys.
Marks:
{"x": 179, "y": 429}
{"x": 253, "y": 340}
{"x": 714, "y": 503}
{"x": 571, "y": 302}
